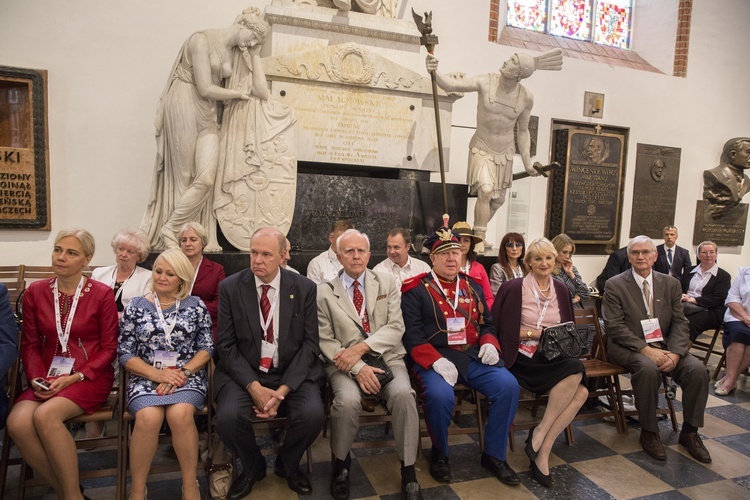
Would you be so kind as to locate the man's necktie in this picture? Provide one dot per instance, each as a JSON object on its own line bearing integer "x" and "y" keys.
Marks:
{"x": 669, "y": 256}
{"x": 265, "y": 309}
{"x": 647, "y": 294}
{"x": 358, "y": 301}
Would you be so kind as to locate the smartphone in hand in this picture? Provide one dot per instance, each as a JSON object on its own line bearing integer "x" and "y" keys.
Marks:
{"x": 40, "y": 383}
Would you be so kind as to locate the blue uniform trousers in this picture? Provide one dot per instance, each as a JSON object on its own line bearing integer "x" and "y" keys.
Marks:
{"x": 498, "y": 385}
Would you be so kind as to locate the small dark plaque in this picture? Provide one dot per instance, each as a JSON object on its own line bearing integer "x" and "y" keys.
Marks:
{"x": 657, "y": 172}
{"x": 727, "y": 231}
{"x": 591, "y": 208}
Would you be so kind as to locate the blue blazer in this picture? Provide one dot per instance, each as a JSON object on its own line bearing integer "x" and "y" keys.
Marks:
{"x": 681, "y": 263}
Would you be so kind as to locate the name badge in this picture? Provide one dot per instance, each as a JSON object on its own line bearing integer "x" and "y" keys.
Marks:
{"x": 652, "y": 330}
{"x": 165, "y": 359}
{"x": 456, "y": 331}
{"x": 60, "y": 367}
{"x": 528, "y": 347}
{"x": 267, "y": 350}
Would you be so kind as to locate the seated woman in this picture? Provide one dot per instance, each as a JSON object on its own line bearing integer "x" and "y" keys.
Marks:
{"x": 509, "y": 261}
{"x": 126, "y": 278}
{"x": 566, "y": 272}
{"x": 208, "y": 274}
{"x": 523, "y": 308}
{"x": 469, "y": 264}
{"x": 704, "y": 290}
{"x": 165, "y": 342}
{"x": 79, "y": 353}
{"x": 736, "y": 336}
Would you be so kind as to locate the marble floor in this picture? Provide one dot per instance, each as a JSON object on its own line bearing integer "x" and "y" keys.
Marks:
{"x": 600, "y": 463}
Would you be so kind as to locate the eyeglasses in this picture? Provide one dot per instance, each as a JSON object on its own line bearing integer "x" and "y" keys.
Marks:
{"x": 512, "y": 244}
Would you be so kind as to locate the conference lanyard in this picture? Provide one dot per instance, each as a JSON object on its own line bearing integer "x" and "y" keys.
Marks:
{"x": 167, "y": 327}
{"x": 454, "y": 305}
{"x": 265, "y": 323}
{"x": 114, "y": 282}
{"x": 195, "y": 277}
{"x": 543, "y": 310}
{"x": 64, "y": 335}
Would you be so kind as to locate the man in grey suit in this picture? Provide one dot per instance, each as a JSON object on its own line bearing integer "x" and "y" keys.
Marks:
{"x": 648, "y": 334}
{"x": 268, "y": 364}
{"x": 359, "y": 314}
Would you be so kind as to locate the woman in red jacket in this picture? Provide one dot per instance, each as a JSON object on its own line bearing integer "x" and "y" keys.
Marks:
{"x": 68, "y": 344}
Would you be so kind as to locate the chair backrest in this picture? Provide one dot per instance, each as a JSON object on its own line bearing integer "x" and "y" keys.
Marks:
{"x": 34, "y": 273}
{"x": 589, "y": 318}
{"x": 11, "y": 273}
{"x": 15, "y": 289}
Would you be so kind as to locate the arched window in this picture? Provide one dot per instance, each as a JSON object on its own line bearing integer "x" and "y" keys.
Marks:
{"x": 606, "y": 22}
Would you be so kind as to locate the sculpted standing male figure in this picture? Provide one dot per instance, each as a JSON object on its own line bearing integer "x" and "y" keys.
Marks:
{"x": 648, "y": 335}
{"x": 672, "y": 259}
{"x": 450, "y": 337}
{"x": 399, "y": 263}
{"x": 359, "y": 313}
{"x": 268, "y": 364}
{"x": 502, "y": 103}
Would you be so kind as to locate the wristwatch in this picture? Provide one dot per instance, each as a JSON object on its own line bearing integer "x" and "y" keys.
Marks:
{"x": 81, "y": 377}
{"x": 187, "y": 372}
{"x": 528, "y": 334}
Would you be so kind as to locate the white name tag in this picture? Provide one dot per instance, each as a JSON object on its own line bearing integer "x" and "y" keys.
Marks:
{"x": 165, "y": 359}
{"x": 60, "y": 367}
{"x": 456, "y": 331}
{"x": 652, "y": 330}
{"x": 528, "y": 347}
{"x": 267, "y": 351}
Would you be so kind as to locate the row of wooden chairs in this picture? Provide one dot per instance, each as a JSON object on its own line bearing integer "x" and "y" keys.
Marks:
{"x": 31, "y": 273}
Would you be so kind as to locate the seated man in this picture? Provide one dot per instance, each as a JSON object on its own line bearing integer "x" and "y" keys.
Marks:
{"x": 268, "y": 364}
{"x": 9, "y": 346}
{"x": 617, "y": 262}
{"x": 324, "y": 267}
{"x": 704, "y": 290}
{"x": 648, "y": 335}
{"x": 450, "y": 337}
{"x": 399, "y": 263}
{"x": 359, "y": 313}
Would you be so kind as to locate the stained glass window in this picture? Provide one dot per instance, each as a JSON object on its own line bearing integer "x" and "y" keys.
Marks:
{"x": 601, "y": 21}
{"x": 528, "y": 14}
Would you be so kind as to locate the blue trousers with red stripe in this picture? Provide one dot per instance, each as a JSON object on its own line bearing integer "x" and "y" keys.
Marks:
{"x": 498, "y": 385}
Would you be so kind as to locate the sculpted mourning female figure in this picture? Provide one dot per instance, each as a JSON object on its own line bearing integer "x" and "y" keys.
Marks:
{"x": 187, "y": 131}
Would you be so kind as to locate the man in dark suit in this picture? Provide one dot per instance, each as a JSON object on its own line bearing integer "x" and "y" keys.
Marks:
{"x": 268, "y": 363}
{"x": 8, "y": 346}
{"x": 616, "y": 263}
{"x": 672, "y": 259}
{"x": 648, "y": 335}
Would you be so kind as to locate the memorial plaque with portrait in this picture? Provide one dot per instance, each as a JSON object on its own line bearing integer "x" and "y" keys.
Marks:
{"x": 593, "y": 183}
{"x": 657, "y": 172}
{"x": 24, "y": 171}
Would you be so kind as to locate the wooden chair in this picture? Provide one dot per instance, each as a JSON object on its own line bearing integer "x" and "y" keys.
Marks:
{"x": 15, "y": 290}
{"x": 34, "y": 273}
{"x": 708, "y": 347}
{"x": 125, "y": 428}
{"x": 722, "y": 363}
{"x": 11, "y": 273}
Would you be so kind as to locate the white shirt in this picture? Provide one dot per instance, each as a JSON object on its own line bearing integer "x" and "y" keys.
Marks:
{"x": 640, "y": 279}
{"x": 699, "y": 280}
{"x": 272, "y": 292}
{"x": 290, "y": 268}
{"x": 413, "y": 267}
{"x": 324, "y": 267}
{"x": 740, "y": 293}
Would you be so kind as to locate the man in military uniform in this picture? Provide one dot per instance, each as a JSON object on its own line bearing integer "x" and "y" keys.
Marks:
{"x": 449, "y": 338}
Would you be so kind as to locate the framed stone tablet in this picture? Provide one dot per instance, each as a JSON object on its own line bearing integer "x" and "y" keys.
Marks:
{"x": 24, "y": 150}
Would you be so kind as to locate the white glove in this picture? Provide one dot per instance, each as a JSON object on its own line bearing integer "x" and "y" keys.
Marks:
{"x": 447, "y": 370}
{"x": 488, "y": 354}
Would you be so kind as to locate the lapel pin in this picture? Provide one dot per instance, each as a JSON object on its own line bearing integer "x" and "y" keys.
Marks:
{"x": 291, "y": 297}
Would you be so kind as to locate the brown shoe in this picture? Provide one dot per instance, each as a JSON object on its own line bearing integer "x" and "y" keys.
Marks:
{"x": 692, "y": 441}
{"x": 651, "y": 444}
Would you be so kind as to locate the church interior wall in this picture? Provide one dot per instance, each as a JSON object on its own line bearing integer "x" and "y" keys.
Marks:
{"x": 108, "y": 61}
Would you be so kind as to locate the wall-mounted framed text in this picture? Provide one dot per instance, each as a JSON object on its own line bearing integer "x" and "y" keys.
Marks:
{"x": 24, "y": 149}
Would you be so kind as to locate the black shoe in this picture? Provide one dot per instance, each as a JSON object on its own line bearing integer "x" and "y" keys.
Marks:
{"x": 340, "y": 485}
{"x": 543, "y": 479}
{"x": 440, "y": 469}
{"x": 296, "y": 480}
{"x": 243, "y": 485}
{"x": 411, "y": 491}
{"x": 529, "y": 446}
{"x": 500, "y": 469}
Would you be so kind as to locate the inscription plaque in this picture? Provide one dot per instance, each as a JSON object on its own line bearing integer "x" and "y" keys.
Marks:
{"x": 591, "y": 206}
{"x": 727, "y": 231}
{"x": 24, "y": 173}
{"x": 657, "y": 173}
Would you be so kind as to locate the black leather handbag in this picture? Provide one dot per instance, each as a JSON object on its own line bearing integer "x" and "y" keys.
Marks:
{"x": 561, "y": 341}
{"x": 377, "y": 362}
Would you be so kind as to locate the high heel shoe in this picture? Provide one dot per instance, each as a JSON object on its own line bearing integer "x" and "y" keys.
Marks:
{"x": 541, "y": 478}
{"x": 529, "y": 446}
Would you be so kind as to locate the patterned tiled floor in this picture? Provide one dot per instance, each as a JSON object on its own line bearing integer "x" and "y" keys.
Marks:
{"x": 599, "y": 464}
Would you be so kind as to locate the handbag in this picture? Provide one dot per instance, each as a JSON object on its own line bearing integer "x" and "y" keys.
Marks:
{"x": 561, "y": 341}
{"x": 219, "y": 469}
{"x": 377, "y": 362}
